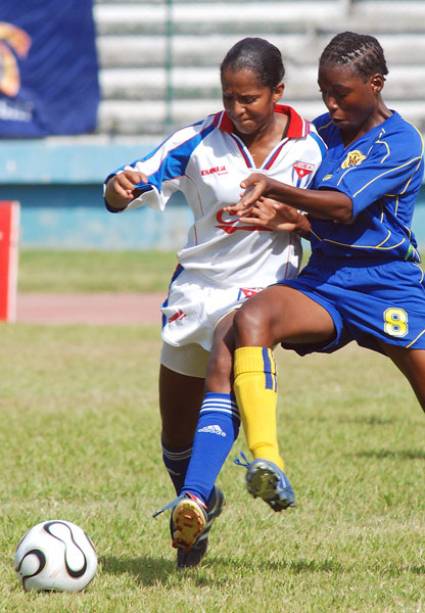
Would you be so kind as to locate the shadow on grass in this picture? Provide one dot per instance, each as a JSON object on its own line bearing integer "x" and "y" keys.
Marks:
{"x": 394, "y": 570}
{"x": 402, "y": 454}
{"x": 297, "y": 566}
{"x": 368, "y": 420}
{"x": 362, "y": 420}
{"x": 146, "y": 570}
{"x": 149, "y": 571}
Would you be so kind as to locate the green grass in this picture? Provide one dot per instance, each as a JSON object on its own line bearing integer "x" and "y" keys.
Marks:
{"x": 44, "y": 270}
{"x": 79, "y": 440}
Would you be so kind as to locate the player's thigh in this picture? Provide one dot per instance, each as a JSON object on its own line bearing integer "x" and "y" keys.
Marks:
{"x": 411, "y": 362}
{"x": 282, "y": 313}
{"x": 220, "y": 364}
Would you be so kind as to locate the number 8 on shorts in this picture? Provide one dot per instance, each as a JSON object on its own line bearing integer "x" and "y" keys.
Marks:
{"x": 396, "y": 322}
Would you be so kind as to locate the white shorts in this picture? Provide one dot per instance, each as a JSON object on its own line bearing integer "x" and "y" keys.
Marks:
{"x": 193, "y": 309}
{"x": 191, "y": 313}
{"x": 190, "y": 360}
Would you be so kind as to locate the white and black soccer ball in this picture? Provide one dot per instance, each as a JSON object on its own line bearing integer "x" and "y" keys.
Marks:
{"x": 55, "y": 555}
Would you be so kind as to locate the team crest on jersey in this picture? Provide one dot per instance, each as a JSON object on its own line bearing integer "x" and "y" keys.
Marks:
{"x": 303, "y": 169}
{"x": 354, "y": 158}
{"x": 248, "y": 292}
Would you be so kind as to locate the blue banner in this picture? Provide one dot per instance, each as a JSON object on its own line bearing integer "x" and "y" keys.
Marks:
{"x": 48, "y": 68}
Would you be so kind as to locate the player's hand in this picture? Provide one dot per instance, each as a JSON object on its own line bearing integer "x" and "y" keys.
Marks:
{"x": 276, "y": 216}
{"x": 121, "y": 188}
{"x": 255, "y": 186}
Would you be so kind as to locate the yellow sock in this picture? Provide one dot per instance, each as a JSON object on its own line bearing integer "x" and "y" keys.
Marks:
{"x": 255, "y": 388}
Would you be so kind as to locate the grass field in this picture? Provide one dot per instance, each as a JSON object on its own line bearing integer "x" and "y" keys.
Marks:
{"x": 44, "y": 270}
{"x": 79, "y": 439}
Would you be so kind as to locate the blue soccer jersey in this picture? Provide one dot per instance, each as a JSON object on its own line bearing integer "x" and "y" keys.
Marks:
{"x": 382, "y": 173}
{"x": 357, "y": 271}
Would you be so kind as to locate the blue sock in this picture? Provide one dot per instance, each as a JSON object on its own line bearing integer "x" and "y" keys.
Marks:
{"x": 216, "y": 431}
{"x": 176, "y": 463}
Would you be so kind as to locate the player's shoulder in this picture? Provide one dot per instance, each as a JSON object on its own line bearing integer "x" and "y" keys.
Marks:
{"x": 324, "y": 126}
{"x": 402, "y": 136}
{"x": 188, "y": 131}
{"x": 314, "y": 137}
{"x": 190, "y": 135}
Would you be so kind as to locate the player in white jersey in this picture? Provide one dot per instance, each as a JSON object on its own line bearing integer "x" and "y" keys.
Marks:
{"x": 223, "y": 261}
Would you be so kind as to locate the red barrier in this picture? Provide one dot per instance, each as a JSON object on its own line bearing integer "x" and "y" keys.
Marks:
{"x": 9, "y": 237}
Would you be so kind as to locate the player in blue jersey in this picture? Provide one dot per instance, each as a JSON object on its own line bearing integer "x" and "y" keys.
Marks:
{"x": 224, "y": 261}
{"x": 363, "y": 281}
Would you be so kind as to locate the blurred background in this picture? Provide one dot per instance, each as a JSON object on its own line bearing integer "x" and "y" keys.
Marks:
{"x": 87, "y": 86}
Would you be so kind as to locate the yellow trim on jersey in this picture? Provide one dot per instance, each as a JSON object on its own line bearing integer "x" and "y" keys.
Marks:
{"x": 397, "y": 202}
{"x": 326, "y": 125}
{"x": 385, "y": 240}
{"x": 383, "y": 142}
{"x": 419, "y": 159}
{"x": 410, "y": 179}
{"x": 386, "y": 173}
{"x": 415, "y": 339}
{"x": 378, "y": 247}
{"x": 344, "y": 173}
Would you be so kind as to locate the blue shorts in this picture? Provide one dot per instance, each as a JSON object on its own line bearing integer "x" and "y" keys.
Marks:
{"x": 368, "y": 302}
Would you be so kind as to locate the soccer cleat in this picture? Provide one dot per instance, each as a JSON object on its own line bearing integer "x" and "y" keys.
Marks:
{"x": 188, "y": 520}
{"x": 190, "y": 523}
{"x": 187, "y": 558}
{"x": 267, "y": 481}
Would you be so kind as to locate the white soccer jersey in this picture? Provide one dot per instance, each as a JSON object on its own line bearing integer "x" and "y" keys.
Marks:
{"x": 207, "y": 162}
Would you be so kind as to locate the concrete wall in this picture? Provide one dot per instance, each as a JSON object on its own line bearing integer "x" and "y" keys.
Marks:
{"x": 60, "y": 189}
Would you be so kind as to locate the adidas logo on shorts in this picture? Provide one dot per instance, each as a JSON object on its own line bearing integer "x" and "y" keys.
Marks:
{"x": 213, "y": 429}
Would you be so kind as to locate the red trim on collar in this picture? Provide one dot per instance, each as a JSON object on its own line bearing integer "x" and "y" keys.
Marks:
{"x": 226, "y": 124}
{"x": 297, "y": 128}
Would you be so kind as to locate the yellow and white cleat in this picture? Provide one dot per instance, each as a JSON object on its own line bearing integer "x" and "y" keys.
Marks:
{"x": 189, "y": 520}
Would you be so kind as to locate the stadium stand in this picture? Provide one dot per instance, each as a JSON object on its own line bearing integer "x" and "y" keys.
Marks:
{"x": 159, "y": 59}
{"x": 158, "y": 70}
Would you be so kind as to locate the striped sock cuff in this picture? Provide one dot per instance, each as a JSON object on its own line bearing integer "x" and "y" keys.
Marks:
{"x": 254, "y": 359}
{"x": 176, "y": 456}
{"x": 220, "y": 403}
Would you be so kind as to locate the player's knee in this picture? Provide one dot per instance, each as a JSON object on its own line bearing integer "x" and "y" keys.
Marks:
{"x": 250, "y": 324}
{"x": 219, "y": 372}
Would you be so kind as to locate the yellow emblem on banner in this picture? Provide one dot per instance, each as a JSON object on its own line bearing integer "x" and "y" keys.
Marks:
{"x": 354, "y": 158}
{"x": 13, "y": 41}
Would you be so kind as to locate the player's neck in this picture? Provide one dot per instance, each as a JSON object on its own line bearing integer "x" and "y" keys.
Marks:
{"x": 381, "y": 114}
{"x": 267, "y": 136}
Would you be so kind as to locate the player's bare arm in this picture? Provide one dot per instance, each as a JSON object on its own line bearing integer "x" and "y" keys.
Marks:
{"x": 322, "y": 204}
{"x": 120, "y": 189}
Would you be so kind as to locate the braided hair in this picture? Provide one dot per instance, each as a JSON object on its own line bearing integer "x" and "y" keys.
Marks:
{"x": 361, "y": 51}
{"x": 259, "y": 56}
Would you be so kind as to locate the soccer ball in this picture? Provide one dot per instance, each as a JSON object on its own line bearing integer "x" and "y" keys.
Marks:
{"x": 55, "y": 555}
